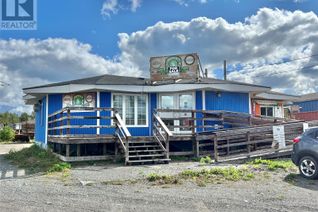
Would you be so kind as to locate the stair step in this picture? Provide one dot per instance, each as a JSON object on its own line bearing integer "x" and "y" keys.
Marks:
{"x": 141, "y": 142}
{"x": 150, "y": 160}
{"x": 143, "y": 146}
{"x": 146, "y": 150}
{"x": 142, "y": 156}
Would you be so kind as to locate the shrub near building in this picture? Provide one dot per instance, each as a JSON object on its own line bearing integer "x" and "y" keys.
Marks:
{"x": 7, "y": 134}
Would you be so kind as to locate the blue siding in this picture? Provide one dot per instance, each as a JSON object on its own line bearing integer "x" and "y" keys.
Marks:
{"x": 230, "y": 101}
{"x": 105, "y": 101}
{"x": 153, "y": 107}
{"x": 40, "y": 122}
{"x": 56, "y": 103}
{"x": 198, "y": 106}
{"x": 308, "y": 106}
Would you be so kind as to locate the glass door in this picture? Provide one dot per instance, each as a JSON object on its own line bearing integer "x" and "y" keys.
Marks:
{"x": 175, "y": 120}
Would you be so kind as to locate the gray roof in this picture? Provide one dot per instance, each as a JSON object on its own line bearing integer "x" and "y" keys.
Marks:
{"x": 123, "y": 80}
{"x": 106, "y": 79}
{"x": 307, "y": 97}
{"x": 273, "y": 95}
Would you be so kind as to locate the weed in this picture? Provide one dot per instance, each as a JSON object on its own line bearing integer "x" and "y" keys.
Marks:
{"x": 291, "y": 178}
{"x": 206, "y": 160}
{"x": 163, "y": 179}
{"x": 204, "y": 176}
{"x": 35, "y": 159}
{"x": 273, "y": 165}
{"x": 59, "y": 167}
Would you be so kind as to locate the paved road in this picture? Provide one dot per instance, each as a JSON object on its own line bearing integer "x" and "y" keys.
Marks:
{"x": 7, "y": 170}
{"x": 5, "y": 148}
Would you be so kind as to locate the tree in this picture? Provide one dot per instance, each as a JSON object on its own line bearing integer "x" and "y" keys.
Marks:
{"x": 24, "y": 117}
{"x": 8, "y": 118}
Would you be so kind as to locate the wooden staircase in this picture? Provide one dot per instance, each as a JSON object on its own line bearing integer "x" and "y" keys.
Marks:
{"x": 145, "y": 150}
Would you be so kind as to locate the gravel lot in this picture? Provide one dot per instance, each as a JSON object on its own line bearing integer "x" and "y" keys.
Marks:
{"x": 85, "y": 190}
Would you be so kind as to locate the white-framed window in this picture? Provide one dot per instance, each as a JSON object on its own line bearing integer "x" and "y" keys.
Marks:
{"x": 267, "y": 111}
{"x": 133, "y": 108}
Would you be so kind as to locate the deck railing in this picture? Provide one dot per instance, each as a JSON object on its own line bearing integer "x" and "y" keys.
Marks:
{"x": 184, "y": 121}
{"x": 226, "y": 143}
{"x": 161, "y": 133}
{"x": 78, "y": 121}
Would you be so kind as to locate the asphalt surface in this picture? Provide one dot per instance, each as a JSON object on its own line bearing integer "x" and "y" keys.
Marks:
{"x": 84, "y": 189}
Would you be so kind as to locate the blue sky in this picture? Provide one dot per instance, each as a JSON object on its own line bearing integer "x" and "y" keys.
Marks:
{"x": 82, "y": 19}
{"x": 266, "y": 42}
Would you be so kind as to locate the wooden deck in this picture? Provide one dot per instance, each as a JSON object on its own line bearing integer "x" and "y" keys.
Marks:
{"x": 252, "y": 137}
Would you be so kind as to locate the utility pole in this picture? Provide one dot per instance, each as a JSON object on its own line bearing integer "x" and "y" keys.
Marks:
{"x": 224, "y": 69}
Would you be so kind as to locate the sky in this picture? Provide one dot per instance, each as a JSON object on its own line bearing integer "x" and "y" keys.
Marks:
{"x": 266, "y": 42}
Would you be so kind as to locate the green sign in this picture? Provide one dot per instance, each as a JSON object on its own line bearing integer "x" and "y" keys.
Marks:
{"x": 173, "y": 65}
{"x": 78, "y": 100}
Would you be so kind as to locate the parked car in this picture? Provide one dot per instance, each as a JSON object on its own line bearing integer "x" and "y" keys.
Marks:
{"x": 305, "y": 153}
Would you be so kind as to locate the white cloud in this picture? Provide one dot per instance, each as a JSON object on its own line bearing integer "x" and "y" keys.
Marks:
{"x": 112, "y": 7}
{"x": 265, "y": 38}
{"x": 135, "y": 4}
{"x": 256, "y": 48}
{"x": 25, "y": 63}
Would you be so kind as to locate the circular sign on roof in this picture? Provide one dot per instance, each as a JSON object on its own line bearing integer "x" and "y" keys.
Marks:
{"x": 155, "y": 63}
{"x": 189, "y": 59}
{"x": 67, "y": 100}
{"x": 89, "y": 98}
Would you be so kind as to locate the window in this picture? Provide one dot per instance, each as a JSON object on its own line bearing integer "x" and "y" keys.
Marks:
{"x": 131, "y": 108}
{"x": 267, "y": 111}
{"x": 185, "y": 101}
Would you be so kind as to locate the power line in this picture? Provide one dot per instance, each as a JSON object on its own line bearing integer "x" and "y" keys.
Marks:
{"x": 279, "y": 63}
{"x": 2, "y": 83}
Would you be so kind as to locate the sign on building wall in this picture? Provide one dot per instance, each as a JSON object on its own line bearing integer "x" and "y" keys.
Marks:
{"x": 184, "y": 66}
{"x": 79, "y": 100}
{"x": 279, "y": 136}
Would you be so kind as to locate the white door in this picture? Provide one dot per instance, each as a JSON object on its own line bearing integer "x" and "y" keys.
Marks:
{"x": 176, "y": 101}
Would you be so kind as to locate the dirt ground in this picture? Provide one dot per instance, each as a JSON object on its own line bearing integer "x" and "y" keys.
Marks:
{"x": 100, "y": 188}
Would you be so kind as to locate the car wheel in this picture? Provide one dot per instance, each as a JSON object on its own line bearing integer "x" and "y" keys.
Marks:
{"x": 308, "y": 167}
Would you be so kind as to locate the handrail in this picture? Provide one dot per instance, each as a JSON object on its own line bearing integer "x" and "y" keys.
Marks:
{"x": 88, "y": 109}
{"x": 122, "y": 125}
{"x": 163, "y": 125}
{"x": 123, "y": 134}
{"x": 162, "y": 140}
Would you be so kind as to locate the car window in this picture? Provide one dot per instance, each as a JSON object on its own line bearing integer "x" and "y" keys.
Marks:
{"x": 313, "y": 133}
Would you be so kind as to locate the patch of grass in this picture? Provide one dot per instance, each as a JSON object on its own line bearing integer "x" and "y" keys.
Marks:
{"x": 35, "y": 159}
{"x": 204, "y": 176}
{"x": 163, "y": 179}
{"x": 291, "y": 178}
{"x": 273, "y": 165}
{"x": 59, "y": 167}
{"x": 205, "y": 160}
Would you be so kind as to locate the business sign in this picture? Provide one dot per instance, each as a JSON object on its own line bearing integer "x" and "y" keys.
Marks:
{"x": 279, "y": 137}
{"x": 184, "y": 66}
{"x": 79, "y": 100}
{"x": 18, "y": 15}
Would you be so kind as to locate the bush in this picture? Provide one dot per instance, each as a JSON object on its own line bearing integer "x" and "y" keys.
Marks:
{"x": 206, "y": 160}
{"x": 7, "y": 134}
